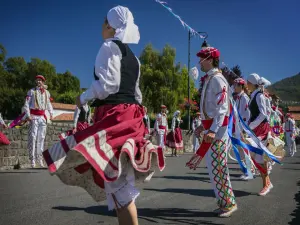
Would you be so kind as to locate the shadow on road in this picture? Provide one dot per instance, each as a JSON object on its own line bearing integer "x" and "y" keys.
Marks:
{"x": 17, "y": 172}
{"x": 204, "y": 179}
{"x": 296, "y": 213}
{"x": 168, "y": 215}
{"x": 199, "y": 192}
{"x": 290, "y": 169}
{"x": 231, "y": 174}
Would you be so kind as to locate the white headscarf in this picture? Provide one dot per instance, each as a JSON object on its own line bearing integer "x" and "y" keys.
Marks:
{"x": 176, "y": 113}
{"x": 254, "y": 78}
{"x": 265, "y": 82}
{"x": 121, "y": 19}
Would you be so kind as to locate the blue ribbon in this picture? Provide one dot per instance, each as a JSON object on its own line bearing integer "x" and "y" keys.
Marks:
{"x": 263, "y": 148}
{"x": 236, "y": 152}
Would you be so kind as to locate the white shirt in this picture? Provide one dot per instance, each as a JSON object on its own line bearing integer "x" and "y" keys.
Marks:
{"x": 35, "y": 99}
{"x": 242, "y": 103}
{"x": 174, "y": 122}
{"x": 77, "y": 113}
{"x": 196, "y": 123}
{"x": 148, "y": 122}
{"x": 216, "y": 101}
{"x": 289, "y": 125}
{"x": 261, "y": 102}
{"x": 161, "y": 120}
{"x": 108, "y": 70}
{"x": 269, "y": 107}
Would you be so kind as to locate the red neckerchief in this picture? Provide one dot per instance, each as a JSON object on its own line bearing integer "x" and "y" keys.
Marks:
{"x": 42, "y": 90}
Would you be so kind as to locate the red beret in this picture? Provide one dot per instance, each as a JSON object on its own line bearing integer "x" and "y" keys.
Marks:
{"x": 40, "y": 77}
{"x": 209, "y": 52}
{"x": 163, "y": 106}
{"x": 240, "y": 81}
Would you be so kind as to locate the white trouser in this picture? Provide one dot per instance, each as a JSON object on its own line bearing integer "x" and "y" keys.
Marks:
{"x": 290, "y": 142}
{"x": 160, "y": 138}
{"x": 36, "y": 137}
{"x": 196, "y": 144}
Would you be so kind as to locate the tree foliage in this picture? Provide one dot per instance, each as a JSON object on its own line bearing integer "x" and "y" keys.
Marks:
{"x": 163, "y": 81}
{"x": 18, "y": 76}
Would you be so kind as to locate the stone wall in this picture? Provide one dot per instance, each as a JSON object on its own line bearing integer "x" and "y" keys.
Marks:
{"x": 15, "y": 155}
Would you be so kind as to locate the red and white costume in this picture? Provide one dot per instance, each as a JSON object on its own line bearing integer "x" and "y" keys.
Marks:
{"x": 242, "y": 104}
{"x": 174, "y": 138}
{"x": 242, "y": 101}
{"x": 196, "y": 124}
{"x": 161, "y": 127}
{"x": 108, "y": 157}
{"x": 290, "y": 130}
{"x": 36, "y": 104}
{"x": 3, "y": 139}
{"x": 147, "y": 124}
{"x": 82, "y": 119}
{"x": 215, "y": 109}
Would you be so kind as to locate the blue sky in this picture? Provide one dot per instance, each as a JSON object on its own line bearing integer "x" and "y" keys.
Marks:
{"x": 261, "y": 36}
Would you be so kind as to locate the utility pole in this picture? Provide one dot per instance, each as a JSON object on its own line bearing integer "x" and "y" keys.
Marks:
{"x": 189, "y": 59}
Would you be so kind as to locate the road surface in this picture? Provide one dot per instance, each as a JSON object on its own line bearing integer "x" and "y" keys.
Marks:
{"x": 175, "y": 196}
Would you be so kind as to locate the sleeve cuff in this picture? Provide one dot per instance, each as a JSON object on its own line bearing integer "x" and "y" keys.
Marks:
{"x": 214, "y": 128}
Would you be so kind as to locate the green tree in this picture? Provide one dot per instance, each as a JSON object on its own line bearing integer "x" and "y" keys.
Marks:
{"x": 2, "y": 53}
{"x": 162, "y": 80}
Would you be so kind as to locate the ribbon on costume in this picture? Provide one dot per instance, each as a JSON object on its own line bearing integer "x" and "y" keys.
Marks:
{"x": 236, "y": 151}
{"x": 19, "y": 121}
{"x": 260, "y": 149}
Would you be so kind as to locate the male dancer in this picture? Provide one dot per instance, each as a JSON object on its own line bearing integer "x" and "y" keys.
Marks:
{"x": 214, "y": 108}
{"x": 289, "y": 129}
{"x": 161, "y": 127}
{"x": 36, "y": 103}
{"x": 196, "y": 123}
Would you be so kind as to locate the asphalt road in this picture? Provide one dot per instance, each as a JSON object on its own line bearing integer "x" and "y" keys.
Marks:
{"x": 175, "y": 196}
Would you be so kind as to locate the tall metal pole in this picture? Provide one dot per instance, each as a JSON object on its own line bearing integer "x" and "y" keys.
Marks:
{"x": 189, "y": 56}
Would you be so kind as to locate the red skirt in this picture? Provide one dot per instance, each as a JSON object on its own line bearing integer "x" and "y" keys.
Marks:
{"x": 262, "y": 130}
{"x": 3, "y": 139}
{"x": 97, "y": 154}
{"x": 175, "y": 140}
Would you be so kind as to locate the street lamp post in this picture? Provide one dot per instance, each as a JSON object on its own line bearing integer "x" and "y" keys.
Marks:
{"x": 189, "y": 61}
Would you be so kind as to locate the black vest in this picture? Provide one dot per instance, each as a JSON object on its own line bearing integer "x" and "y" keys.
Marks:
{"x": 177, "y": 123}
{"x": 129, "y": 75}
{"x": 146, "y": 121}
{"x": 254, "y": 110}
{"x": 83, "y": 115}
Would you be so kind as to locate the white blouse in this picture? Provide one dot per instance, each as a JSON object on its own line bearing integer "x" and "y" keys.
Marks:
{"x": 108, "y": 70}
{"x": 242, "y": 103}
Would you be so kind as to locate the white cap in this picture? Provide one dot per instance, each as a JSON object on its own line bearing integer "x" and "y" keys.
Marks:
{"x": 121, "y": 19}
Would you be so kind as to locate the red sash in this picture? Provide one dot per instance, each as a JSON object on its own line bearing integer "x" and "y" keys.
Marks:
{"x": 204, "y": 146}
{"x": 38, "y": 112}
